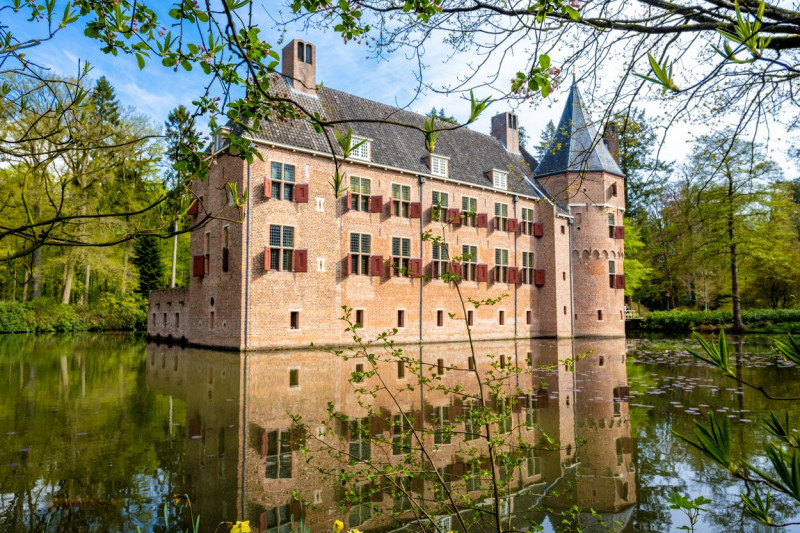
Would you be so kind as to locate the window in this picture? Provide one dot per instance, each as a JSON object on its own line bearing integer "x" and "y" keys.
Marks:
{"x": 401, "y": 318}
{"x": 360, "y": 317}
{"x": 439, "y": 318}
{"x": 282, "y": 181}
{"x": 527, "y": 268}
{"x": 401, "y": 255}
{"x": 440, "y": 367}
{"x": 359, "y": 253}
{"x": 210, "y": 320}
{"x": 362, "y": 151}
{"x": 294, "y": 320}
{"x": 563, "y": 229}
{"x": 359, "y": 439}
{"x": 207, "y": 252}
{"x": 278, "y": 454}
{"x": 401, "y": 199}
{"x": 439, "y": 206}
{"x": 469, "y": 261}
{"x": 440, "y": 259}
{"x": 359, "y": 194}
{"x": 501, "y": 217}
{"x": 472, "y": 426}
{"x": 361, "y": 510}
{"x": 279, "y": 519}
{"x": 281, "y": 243}
{"x": 500, "y": 179}
{"x": 578, "y": 219}
{"x": 528, "y": 317}
{"x": 501, "y": 319}
{"x": 441, "y": 422}
{"x": 304, "y": 53}
{"x": 611, "y": 225}
{"x": 440, "y": 198}
{"x": 294, "y": 378}
{"x": 165, "y": 319}
{"x": 401, "y": 370}
{"x": 526, "y": 225}
{"x": 401, "y": 434}
{"x": 500, "y": 265}
{"x": 177, "y": 320}
{"x": 599, "y": 314}
{"x": 612, "y": 275}
{"x": 438, "y": 166}
{"x": 471, "y": 362}
{"x": 469, "y": 206}
{"x": 614, "y": 189}
{"x": 470, "y": 318}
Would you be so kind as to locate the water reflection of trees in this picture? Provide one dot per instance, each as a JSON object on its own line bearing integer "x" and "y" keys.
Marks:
{"x": 86, "y": 443}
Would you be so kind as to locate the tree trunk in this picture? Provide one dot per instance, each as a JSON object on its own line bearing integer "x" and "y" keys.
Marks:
{"x": 125, "y": 256}
{"x": 70, "y": 273}
{"x": 36, "y": 274}
{"x": 174, "y": 253}
{"x": 738, "y": 324}
{"x": 85, "y": 297}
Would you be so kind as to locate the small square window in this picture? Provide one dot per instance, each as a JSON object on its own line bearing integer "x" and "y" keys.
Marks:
{"x": 528, "y": 317}
{"x": 211, "y": 320}
{"x": 599, "y": 314}
{"x": 360, "y": 148}
{"x": 401, "y": 369}
{"x": 500, "y": 179}
{"x": 438, "y": 166}
{"x": 294, "y": 378}
{"x": 294, "y": 320}
{"x": 563, "y": 229}
{"x": 401, "y": 318}
{"x": 470, "y": 318}
{"x": 471, "y": 362}
{"x": 502, "y": 318}
{"x": 440, "y": 366}
{"x": 439, "y": 318}
{"x": 360, "y": 317}
{"x": 565, "y": 309}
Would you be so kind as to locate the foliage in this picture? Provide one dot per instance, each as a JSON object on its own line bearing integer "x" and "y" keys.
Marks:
{"x": 111, "y": 313}
{"x": 147, "y": 260}
{"x": 691, "y": 508}
{"x": 689, "y": 320}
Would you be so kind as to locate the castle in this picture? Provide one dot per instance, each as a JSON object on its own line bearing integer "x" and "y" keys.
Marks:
{"x": 545, "y": 237}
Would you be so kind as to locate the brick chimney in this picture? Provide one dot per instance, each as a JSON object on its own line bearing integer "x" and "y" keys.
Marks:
{"x": 611, "y": 138}
{"x": 506, "y": 130}
{"x": 299, "y": 65}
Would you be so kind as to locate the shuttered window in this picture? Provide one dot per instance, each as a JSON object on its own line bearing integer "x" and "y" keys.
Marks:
{"x": 401, "y": 199}
{"x": 359, "y": 253}
{"x": 501, "y": 265}
{"x": 527, "y": 268}
{"x": 359, "y": 194}
{"x": 440, "y": 260}
{"x": 527, "y": 221}
{"x": 469, "y": 261}
{"x": 281, "y": 244}
{"x": 401, "y": 256}
{"x": 469, "y": 206}
{"x": 501, "y": 217}
{"x": 282, "y": 177}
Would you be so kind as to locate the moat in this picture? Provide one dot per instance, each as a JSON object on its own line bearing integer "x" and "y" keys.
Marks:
{"x": 98, "y": 432}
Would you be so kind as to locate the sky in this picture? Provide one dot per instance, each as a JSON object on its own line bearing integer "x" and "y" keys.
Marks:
{"x": 349, "y": 67}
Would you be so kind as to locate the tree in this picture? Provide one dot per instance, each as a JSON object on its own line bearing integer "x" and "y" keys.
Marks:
{"x": 731, "y": 175}
{"x": 545, "y": 137}
{"x": 147, "y": 260}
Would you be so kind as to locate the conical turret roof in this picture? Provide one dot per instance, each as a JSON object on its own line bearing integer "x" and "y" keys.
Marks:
{"x": 576, "y": 146}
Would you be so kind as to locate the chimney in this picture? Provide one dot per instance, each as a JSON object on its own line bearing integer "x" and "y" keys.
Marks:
{"x": 298, "y": 63}
{"x": 611, "y": 138}
{"x": 506, "y": 130}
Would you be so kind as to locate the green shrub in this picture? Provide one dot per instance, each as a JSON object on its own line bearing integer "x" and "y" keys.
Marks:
{"x": 688, "y": 320}
{"x": 15, "y": 317}
{"x": 126, "y": 313}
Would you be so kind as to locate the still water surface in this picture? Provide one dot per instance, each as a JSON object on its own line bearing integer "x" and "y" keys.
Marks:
{"x": 98, "y": 431}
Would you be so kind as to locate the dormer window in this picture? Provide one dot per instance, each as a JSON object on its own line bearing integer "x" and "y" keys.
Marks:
{"x": 362, "y": 151}
{"x": 438, "y": 166}
{"x": 500, "y": 179}
{"x": 304, "y": 54}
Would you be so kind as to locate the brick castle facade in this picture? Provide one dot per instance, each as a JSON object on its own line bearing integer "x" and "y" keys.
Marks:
{"x": 544, "y": 237}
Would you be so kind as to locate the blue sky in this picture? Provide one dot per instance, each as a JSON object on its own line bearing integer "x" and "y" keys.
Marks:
{"x": 156, "y": 90}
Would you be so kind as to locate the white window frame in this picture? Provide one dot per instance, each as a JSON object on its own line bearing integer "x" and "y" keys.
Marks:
{"x": 283, "y": 249}
{"x": 500, "y": 179}
{"x": 360, "y": 256}
{"x": 469, "y": 220}
{"x": 500, "y": 216}
{"x": 401, "y": 263}
{"x": 439, "y": 265}
{"x": 400, "y": 206}
{"x": 440, "y": 166}
{"x": 363, "y": 152}
{"x": 359, "y": 201}
{"x": 501, "y": 264}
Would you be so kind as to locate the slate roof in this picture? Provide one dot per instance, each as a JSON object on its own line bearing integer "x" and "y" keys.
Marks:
{"x": 472, "y": 154}
{"x": 577, "y": 146}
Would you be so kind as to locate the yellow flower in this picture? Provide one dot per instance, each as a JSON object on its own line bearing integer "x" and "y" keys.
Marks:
{"x": 353, "y": 531}
{"x": 241, "y": 527}
{"x": 338, "y": 526}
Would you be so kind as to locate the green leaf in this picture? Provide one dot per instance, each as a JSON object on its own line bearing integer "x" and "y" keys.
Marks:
{"x": 140, "y": 61}
{"x": 544, "y": 61}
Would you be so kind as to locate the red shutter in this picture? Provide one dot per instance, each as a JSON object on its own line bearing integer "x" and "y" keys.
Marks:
{"x": 264, "y": 444}
{"x": 622, "y": 393}
{"x": 198, "y": 266}
{"x": 454, "y": 216}
{"x": 415, "y": 210}
{"x": 513, "y": 225}
{"x": 300, "y": 260}
{"x": 619, "y": 232}
{"x": 619, "y": 281}
{"x": 301, "y": 193}
{"x": 376, "y": 265}
{"x": 262, "y": 521}
{"x": 482, "y": 220}
{"x": 194, "y": 208}
{"x": 458, "y": 470}
{"x": 348, "y": 201}
{"x": 513, "y": 275}
{"x": 207, "y": 263}
{"x": 376, "y": 204}
{"x": 376, "y": 425}
{"x": 266, "y": 259}
{"x": 391, "y": 207}
{"x": 267, "y": 188}
{"x": 538, "y": 229}
{"x": 538, "y": 277}
{"x": 482, "y": 272}
{"x": 349, "y": 264}
{"x": 455, "y": 268}
{"x": 415, "y": 267}
{"x": 225, "y": 254}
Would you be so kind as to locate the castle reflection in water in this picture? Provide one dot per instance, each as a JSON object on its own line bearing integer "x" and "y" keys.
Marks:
{"x": 240, "y": 465}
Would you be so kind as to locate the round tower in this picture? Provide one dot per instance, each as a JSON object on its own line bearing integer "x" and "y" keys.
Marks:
{"x": 580, "y": 172}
